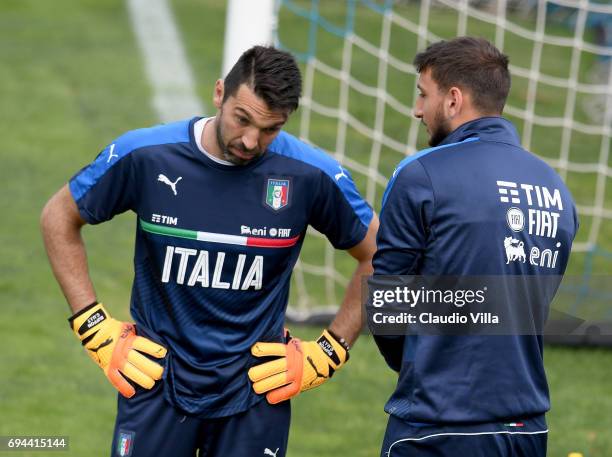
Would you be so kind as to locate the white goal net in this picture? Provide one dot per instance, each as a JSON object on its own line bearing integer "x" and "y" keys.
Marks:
{"x": 359, "y": 88}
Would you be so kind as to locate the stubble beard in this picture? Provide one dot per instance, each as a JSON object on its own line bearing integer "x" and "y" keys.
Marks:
{"x": 228, "y": 155}
{"x": 440, "y": 128}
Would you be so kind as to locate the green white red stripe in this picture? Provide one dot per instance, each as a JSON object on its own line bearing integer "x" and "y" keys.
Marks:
{"x": 222, "y": 238}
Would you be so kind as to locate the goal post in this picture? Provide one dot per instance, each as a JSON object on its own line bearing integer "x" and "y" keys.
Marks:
{"x": 248, "y": 23}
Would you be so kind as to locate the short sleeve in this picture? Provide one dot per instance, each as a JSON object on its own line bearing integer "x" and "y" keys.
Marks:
{"x": 105, "y": 187}
{"x": 339, "y": 212}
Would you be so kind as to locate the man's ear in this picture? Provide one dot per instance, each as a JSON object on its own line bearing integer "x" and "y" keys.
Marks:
{"x": 454, "y": 102}
{"x": 219, "y": 92}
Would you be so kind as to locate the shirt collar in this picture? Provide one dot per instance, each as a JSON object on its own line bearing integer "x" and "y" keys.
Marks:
{"x": 492, "y": 128}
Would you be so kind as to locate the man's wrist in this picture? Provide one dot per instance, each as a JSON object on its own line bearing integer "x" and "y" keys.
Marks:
{"x": 86, "y": 322}
{"x": 340, "y": 340}
{"x": 82, "y": 311}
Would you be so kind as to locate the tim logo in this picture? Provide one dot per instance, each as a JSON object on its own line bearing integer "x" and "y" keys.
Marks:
{"x": 164, "y": 219}
{"x": 508, "y": 192}
{"x": 514, "y": 250}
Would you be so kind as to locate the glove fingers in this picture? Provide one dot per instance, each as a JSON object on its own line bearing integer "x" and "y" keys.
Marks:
{"x": 117, "y": 380}
{"x": 282, "y": 386}
{"x": 146, "y": 366}
{"x": 149, "y": 347}
{"x": 260, "y": 349}
{"x": 271, "y": 383}
{"x": 264, "y": 370}
{"x": 283, "y": 393}
{"x": 134, "y": 374}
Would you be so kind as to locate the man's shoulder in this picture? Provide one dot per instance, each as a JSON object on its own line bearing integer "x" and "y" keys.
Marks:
{"x": 175, "y": 132}
{"x": 419, "y": 159}
{"x": 292, "y": 148}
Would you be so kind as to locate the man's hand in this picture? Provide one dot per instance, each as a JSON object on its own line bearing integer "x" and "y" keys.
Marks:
{"x": 113, "y": 345}
{"x": 301, "y": 365}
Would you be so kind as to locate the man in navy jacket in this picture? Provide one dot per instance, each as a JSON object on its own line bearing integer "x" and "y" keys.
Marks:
{"x": 474, "y": 204}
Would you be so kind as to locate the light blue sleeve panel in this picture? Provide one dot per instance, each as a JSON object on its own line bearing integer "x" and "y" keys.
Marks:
{"x": 290, "y": 146}
{"x": 107, "y": 186}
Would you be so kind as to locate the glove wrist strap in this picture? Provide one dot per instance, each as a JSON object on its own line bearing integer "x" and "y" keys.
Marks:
{"x": 341, "y": 341}
{"x": 336, "y": 353}
{"x": 85, "y": 321}
{"x": 81, "y": 311}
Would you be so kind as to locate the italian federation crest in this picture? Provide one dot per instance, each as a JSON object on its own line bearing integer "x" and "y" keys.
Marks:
{"x": 125, "y": 443}
{"x": 277, "y": 193}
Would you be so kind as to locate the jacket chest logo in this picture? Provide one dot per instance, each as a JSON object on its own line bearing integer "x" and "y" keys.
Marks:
{"x": 277, "y": 193}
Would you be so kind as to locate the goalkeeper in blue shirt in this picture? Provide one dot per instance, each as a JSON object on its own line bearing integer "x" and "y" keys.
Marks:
{"x": 474, "y": 204}
{"x": 222, "y": 205}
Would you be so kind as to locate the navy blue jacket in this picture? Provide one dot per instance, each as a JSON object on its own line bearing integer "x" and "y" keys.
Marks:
{"x": 477, "y": 204}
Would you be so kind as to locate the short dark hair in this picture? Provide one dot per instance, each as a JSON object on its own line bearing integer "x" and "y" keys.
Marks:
{"x": 271, "y": 73}
{"x": 469, "y": 63}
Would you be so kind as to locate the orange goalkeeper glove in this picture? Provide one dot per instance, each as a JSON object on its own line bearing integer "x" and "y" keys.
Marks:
{"x": 300, "y": 366}
{"x": 113, "y": 345}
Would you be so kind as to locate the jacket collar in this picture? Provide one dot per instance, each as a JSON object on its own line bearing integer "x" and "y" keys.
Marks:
{"x": 495, "y": 129}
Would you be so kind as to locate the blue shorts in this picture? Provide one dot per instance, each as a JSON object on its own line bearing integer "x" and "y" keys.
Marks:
{"x": 514, "y": 438}
{"x": 148, "y": 425}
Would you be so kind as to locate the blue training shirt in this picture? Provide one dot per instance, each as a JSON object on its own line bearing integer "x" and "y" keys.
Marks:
{"x": 215, "y": 248}
{"x": 478, "y": 204}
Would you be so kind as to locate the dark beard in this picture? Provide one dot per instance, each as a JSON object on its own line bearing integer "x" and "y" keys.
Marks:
{"x": 227, "y": 154}
{"x": 439, "y": 135}
{"x": 440, "y": 131}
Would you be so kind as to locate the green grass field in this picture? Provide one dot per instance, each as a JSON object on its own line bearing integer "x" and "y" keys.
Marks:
{"x": 72, "y": 79}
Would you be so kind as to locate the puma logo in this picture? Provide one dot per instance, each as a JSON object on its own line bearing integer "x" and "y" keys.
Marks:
{"x": 337, "y": 176}
{"x": 165, "y": 180}
{"x": 105, "y": 343}
{"x": 314, "y": 367}
{"x": 269, "y": 452}
{"x": 110, "y": 153}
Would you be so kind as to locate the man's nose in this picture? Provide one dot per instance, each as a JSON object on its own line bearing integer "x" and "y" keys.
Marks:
{"x": 250, "y": 138}
{"x": 417, "y": 111}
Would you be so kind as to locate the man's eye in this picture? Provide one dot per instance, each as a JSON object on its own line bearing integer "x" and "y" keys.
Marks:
{"x": 243, "y": 120}
{"x": 271, "y": 130}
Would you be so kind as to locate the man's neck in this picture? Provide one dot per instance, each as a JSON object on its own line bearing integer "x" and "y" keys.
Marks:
{"x": 209, "y": 139}
{"x": 466, "y": 117}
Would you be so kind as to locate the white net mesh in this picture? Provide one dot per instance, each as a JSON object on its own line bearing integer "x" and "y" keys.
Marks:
{"x": 359, "y": 88}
